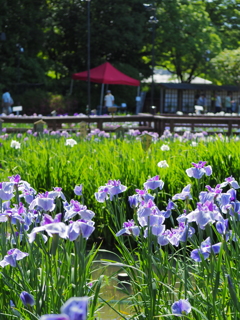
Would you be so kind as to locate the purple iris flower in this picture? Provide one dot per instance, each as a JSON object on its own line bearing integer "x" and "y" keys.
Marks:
{"x": 146, "y": 210}
{"x": 216, "y": 247}
{"x": 6, "y": 190}
{"x": 86, "y": 214}
{"x": 215, "y": 191}
{"x": 112, "y": 188}
{"x": 200, "y": 164}
{"x": 55, "y": 317}
{"x": 185, "y": 194}
{"x": 206, "y": 244}
{"x": 163, "y": 238}
{"x": 156, "y": 230}
{"x": 27, "y": 193}
{"x": 16, "y": 179}
{"x": 235, "y": 207}
{"x": 80, "y": 228}
{"x": 78, "y": 190}
{"x": 129, "y": 228}
{"x": 47, "y": 219}
{"x": 56, "y": 193}
{"x": 171, "y": 205}
{"x": 153, "y": 183}
{"x": 53, "y": 228}
{"x": 134, "y": 200}
{"x": 11, "y": 303}
{"x": 13, "y": 255}
{"x": 148, "y": 197}
{"x": 102, "y": 194}
{"x": 155, "y": 220}
{"x": 13, "y": 214}
{"x": 29, "y": 217}
{"x": 199, "y": 170}
{"x": 176, "y": 235}
{"x": 181, "y": 307}
{"x": 44, "y": 202}
{"x": 27, "y": 299}
{"x": 74, "y": 208}
{"x": 233, "y": 194}
{"x": 222, "y": 226}
{"x": 206, "y": 196}
{"x": 224, "y": 199}
{"x": 184, "y": 231}
{"x": 6, "y": 205}
{"x": 115, "y": 187}
{"x": 197, "y": 253}
{"x": 205, "y": 214}
{"x": 76, "y": 308}
{"x": 205, "y": 249}
{"x": 144, "y": 195}
{"x": 232, "y": 182}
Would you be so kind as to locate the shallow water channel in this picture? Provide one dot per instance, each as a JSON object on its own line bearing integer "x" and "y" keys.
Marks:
{"x": 114, "y": 293}
{"x": 111, "y": 290}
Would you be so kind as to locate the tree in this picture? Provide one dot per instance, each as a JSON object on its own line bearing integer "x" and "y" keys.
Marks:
{"x": 227, "y": 67}
{"x": 186, "y": 40}
{"x": 225, "y": 16}
{"x": 118, "y": 32}
{"x": 22, "y": 22}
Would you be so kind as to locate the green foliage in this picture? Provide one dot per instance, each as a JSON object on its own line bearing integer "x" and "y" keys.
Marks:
{"x": 59, "y": 269}
{"x": 113, "y": 34}
{"x": 225, "y": 16}
{"x": 53, "y": 272}
{"x": 54, "y": 37}
{"x": 227, "y": 66}
{"x": 23, "y": 24}
{"x": 46, "y": 163}
{"x": 40, "y": 102}
{"x": 184, "y": 36}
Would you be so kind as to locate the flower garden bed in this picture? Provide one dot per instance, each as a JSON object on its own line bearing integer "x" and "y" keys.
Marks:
{"x": 170, "y": 214}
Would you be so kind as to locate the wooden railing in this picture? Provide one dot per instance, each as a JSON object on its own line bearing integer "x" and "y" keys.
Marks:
{"x": 145, "y": 122}
{"x": 198, "y": 123}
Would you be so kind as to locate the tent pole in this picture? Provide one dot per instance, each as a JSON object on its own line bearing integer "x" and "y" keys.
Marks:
{"x": 71, "y": 87}
{"x": 101, "y": 98}
{"x": 138, "y": 91}
{"x": 88, "y": 59}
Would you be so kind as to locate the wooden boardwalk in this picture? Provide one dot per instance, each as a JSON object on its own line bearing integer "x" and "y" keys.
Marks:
{"x": 156, "y": 123}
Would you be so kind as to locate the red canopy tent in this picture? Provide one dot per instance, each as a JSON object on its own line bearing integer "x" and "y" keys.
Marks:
{"x": 107, "y": 74}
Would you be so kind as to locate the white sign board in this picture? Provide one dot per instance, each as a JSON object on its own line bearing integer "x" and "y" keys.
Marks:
{"x": 17, "y": 108}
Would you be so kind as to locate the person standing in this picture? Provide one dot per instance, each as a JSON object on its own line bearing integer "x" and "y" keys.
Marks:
{"x": 7, "y": 101}
{"x": 109, "y": 100}
{"x": 202, "y": 101}
{"x": 228, "y": 104}
{"x": 218, "y": 103}
{"x": 234, "y": 106}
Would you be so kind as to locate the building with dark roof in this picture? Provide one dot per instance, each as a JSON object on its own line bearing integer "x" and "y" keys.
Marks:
{"x": 183, "y": 96}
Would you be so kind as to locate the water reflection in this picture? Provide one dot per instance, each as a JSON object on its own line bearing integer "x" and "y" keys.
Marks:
{"x": 113, "y": 291}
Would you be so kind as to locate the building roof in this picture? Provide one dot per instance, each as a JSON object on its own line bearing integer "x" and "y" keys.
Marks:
{"x": 163, "y": 75}
{"x": 201, "y": 87}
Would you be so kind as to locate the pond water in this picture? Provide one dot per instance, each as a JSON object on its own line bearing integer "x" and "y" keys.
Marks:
{"x": 111, "y": 291}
